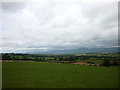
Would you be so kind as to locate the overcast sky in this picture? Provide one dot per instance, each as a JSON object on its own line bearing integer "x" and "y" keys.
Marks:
{"x": 58, "y": 25}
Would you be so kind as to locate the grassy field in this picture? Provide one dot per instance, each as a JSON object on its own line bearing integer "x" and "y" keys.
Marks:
{"x": 94, "y": 61}
{"x": 55, "y": 75}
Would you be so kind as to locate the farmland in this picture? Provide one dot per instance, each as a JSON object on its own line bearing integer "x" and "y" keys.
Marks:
{"x": 57, "y": 75}
{"x": 104, "y": 59}
{"x": 60, "y": 71}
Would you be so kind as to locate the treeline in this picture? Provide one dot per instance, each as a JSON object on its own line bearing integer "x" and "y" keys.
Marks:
{"x": 96, "y": 57}
{"x": 12, "y": 56}
{"x": 60, "y": 58}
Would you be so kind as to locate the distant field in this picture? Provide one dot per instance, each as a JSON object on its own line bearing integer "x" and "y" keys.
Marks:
{"x": 94, "y": 61}
{"x": 55, "y": 75}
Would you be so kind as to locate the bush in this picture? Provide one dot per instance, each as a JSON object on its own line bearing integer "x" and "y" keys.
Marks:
{"x": 106, "y": 62}
{"x": 100, "y": 65}
{"x": 90, "y": 62}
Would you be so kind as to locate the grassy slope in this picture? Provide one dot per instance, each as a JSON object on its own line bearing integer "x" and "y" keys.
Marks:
{"x": 54, "y": 75}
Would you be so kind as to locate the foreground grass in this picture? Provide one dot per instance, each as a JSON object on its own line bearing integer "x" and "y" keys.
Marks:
{"x": 54, "y": 75}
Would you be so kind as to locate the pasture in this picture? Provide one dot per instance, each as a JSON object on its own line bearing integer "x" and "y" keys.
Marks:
{"x": 56, "y": 75}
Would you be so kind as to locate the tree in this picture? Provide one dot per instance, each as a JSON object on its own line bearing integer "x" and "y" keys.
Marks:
{"x": 76, "y": 57}
{"x": 106, "y": 62}
{"x": 71, "y": 59}
{"x": 42, "y": 59}
{"x": 60, "y": 59}
{"x": 55, "y": 58}
{"x": 6, "y": 57}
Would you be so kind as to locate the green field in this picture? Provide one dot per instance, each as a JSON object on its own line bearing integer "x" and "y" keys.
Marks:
{"x": 55, "y": 75}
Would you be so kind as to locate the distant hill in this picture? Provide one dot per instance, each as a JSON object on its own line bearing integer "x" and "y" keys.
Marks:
{"x": 75, "y": 51}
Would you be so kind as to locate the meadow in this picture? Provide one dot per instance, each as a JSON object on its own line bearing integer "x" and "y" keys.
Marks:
{"x": 57, "y": 75}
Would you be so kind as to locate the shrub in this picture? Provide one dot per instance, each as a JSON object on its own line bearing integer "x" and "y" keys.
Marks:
{"x": 106, "y": 62}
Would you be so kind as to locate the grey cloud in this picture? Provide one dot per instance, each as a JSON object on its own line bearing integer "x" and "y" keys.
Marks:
{"x": 58, "y": 26}
{"x": 13, "y": 6}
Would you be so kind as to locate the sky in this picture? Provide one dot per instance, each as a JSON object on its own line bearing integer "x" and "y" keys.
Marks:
{"x": 54, "y": 25}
